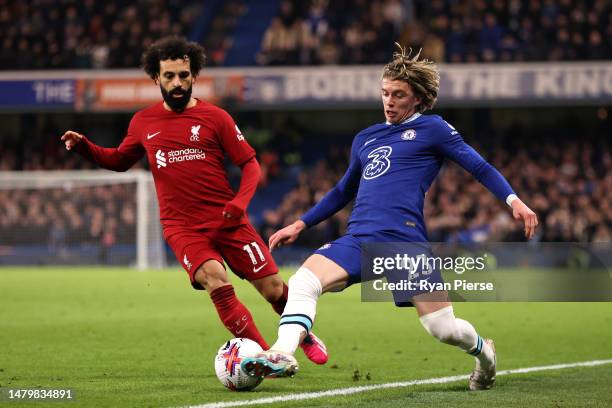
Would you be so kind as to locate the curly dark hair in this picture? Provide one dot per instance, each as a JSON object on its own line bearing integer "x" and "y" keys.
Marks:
{"x": 173, "y": 48}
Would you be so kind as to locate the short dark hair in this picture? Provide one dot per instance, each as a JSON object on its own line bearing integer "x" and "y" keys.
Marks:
{"x": 173, "y": 48}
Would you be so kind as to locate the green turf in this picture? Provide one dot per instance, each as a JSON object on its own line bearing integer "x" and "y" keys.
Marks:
{"x": 118, "y": 338}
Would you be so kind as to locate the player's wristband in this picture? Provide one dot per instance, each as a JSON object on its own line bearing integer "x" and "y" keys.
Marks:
{"x": 510, "y": 199}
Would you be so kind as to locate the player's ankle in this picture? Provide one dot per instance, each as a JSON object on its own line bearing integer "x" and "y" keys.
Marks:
{"x": 486, "y": 358}
{"x": 289, "y": 338}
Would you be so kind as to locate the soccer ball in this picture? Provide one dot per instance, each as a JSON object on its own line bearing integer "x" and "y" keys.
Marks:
{"x": 227, "y": 364}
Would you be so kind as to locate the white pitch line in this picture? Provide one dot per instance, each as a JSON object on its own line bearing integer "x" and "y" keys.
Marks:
{"x": 366, "y": 388}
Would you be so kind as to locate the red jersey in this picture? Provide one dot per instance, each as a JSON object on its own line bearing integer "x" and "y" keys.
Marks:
{"x": 186, "y": 152}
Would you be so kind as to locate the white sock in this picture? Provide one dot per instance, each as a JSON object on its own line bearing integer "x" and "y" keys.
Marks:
{"x": 443, "y": 325}
{"x": 298, "y": 316}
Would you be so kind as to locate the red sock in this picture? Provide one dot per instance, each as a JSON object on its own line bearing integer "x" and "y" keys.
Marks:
{"x": 235, "y": 316}
{"x": 279, "y": 305}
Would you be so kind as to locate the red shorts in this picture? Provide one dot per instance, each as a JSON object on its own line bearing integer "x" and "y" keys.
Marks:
{"x": 240, "y": 247}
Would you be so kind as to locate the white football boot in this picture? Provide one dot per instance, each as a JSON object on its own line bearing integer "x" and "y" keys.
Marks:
{"x": 270, "y": 363}
{"x": 483, "y": 379}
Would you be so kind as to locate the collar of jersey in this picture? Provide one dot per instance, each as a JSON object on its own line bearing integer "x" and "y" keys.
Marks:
{"x": 414, "y": 116}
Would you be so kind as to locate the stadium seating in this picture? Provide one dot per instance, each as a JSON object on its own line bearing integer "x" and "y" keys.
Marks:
{"x": 357, "y": 32}
{"x": 65, "y": 34}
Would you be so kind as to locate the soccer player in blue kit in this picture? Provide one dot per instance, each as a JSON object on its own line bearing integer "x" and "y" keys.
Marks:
{"x": 392, "y": 165}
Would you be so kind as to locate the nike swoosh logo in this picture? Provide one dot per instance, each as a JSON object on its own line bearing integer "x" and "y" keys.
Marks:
{"x": 151, "y": 136}
{"x": 369, "y": 141}
{"x": 241, "y": 330}
{"x": 257, "y": 269}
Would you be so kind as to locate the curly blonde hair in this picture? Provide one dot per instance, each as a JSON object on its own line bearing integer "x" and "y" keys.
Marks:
{"x": 422, "y": 76}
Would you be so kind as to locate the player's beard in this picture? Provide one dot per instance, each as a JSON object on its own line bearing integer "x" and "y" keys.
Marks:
{"x": 177, "y": 104}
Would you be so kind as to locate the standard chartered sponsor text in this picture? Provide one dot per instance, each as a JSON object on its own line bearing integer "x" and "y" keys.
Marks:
{"x": 185, "y": 155}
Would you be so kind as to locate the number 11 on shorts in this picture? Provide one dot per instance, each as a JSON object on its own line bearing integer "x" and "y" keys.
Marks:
{"x": 249, "y": 251}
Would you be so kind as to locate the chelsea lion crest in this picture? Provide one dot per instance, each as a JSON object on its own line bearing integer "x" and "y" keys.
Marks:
{"x": 409, "y": 134}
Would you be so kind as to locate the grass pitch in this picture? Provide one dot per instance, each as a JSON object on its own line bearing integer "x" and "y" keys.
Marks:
{"x": 122, "y": 338}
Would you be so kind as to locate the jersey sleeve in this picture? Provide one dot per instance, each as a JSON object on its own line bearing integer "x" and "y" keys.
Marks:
{"x": 119, "y": 158}
{"x": 450, "y": 144}
{"x": 342, "y": 193}
{"x": 232, "y": 141}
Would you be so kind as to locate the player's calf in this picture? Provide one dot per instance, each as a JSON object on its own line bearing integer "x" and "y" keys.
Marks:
{"x": 443, "y": 325}
{"x": 298, "y": 317}
{"x": 277, "y": 295}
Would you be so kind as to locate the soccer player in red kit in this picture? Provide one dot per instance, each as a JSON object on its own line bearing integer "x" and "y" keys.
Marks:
{"x": 204, "y": 221}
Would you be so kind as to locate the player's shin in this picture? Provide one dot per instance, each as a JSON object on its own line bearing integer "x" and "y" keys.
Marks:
{"x": 235, "y": 316}
{"x": 443, "y": 325}
{"x": 298, "y": 316}
{"x": 280, "y": 303}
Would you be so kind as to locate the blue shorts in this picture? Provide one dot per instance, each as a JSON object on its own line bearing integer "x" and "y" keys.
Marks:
{"x": 351, "y": 252}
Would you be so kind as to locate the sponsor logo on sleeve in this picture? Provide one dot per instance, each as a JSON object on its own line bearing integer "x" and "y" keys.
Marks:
{"x": 187, "y": 263}
{"x": 239, "y": 135}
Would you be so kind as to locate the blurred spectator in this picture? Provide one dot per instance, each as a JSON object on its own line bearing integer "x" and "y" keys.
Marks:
{"x": 59, "y": 218}
{"x": 451, "y": 31}
{"x": 66, "y": 34}
{"x": 87, "y": 34}
{"x": 219, "y": 39}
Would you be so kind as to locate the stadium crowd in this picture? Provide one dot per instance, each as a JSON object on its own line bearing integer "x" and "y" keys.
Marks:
{"x": 63, "y": 217}
{"x": 44, "y": 34}
{"x": 568, "y": 185}
{"x": 358, "y": 31}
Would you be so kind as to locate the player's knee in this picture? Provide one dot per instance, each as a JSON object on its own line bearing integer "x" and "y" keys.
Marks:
{"x": 294, "y": 280}
{"x": 304, "y": 280}
{"x": 441, "y": 324}
{"x": 211, "y": 276}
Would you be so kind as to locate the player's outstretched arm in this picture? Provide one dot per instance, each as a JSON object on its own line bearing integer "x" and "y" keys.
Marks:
{"x": 287, "y": 235}
{"x": 451, "y": 144}
{"x": 71, "y": 139}
{"x": 117, "y": 159}
{"x": 521, "y": 212}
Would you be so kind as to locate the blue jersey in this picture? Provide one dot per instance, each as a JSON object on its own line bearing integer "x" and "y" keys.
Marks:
{"x": 392, "y": 167}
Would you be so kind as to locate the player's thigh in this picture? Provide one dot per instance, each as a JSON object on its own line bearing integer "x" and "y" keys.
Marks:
{"x": 426, "y": 303}
{"x": 193, "y": 249}
{"x": 245, "y": 252}
{"x": 338, "y": 263}
{"x": 333, "y": 277}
